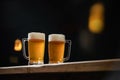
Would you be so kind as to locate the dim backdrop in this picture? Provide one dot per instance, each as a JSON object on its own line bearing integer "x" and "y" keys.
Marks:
{"x": 69, "y": 17}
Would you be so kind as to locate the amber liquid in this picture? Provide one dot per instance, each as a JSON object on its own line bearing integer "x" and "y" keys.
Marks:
{"x": 56, "y": 51}
{"x": 36, "y": 50}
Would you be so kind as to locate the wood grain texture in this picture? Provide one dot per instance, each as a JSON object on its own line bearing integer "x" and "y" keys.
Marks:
{"x": 81, "y": 66}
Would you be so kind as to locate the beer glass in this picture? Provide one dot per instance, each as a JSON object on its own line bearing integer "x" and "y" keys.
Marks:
{"x": 36, "y": 46}
{"x": 56, "y": 48}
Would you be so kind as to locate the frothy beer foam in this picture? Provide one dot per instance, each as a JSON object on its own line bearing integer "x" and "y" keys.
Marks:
{"x": 36, "y": 35}
{"x": 56, "y": 37}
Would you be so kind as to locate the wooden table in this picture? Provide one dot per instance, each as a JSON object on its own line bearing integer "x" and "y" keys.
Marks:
{"x": 95, "y": 69}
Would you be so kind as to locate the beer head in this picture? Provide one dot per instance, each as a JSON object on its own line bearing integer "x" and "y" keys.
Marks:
{"x": 56, "y": 37}
{"x": 36, "y": 35}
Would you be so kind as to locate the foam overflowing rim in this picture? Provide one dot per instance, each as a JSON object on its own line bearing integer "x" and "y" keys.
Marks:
{"x": 36, "y": 35}
{"x": 56, "y": 37}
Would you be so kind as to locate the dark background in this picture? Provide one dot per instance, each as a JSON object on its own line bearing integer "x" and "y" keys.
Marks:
{"x": 69, "y": 17}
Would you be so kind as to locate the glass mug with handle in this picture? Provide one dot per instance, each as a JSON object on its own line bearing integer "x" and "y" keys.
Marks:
{"x": 36, "y": 47}
{"x": 56, "y": 48}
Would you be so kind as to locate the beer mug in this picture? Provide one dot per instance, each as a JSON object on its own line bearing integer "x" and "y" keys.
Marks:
{"x": 36, "y": 46}
{"x": 56, "y": 48}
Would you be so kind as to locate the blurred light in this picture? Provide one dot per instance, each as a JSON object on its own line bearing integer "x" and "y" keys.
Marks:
{"x": 18, "y": 45}
{"x": 96, "y": 18}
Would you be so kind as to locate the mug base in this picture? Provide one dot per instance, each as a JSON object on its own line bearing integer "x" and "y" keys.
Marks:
{"x": 55, "y": 62}
{"x": 35, "y": 63}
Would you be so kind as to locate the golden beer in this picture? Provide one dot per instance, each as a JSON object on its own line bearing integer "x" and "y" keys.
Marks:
{"x": 56, "y": 47}
{"x": 36, "y": 50}
{"x": 36, "y": 46}
{"x": 56, "y": 51}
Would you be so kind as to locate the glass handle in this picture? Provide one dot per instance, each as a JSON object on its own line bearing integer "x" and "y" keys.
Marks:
{"x": 69, "y": 42}
{"x": 24, "y": 50}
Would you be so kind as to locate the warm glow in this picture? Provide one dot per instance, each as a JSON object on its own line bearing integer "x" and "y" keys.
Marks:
{"x": 96, "y": 18}
{"x": 18, "y": 45}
